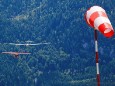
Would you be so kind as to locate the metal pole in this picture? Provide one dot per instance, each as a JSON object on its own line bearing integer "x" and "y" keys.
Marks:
{"x": 97, "y": 57}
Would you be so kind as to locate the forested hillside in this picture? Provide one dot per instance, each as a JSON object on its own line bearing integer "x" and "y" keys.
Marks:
{"x": 69, "y": 59}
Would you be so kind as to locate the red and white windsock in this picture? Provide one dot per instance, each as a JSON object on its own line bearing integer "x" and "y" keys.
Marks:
{"x": 97, "y": 18}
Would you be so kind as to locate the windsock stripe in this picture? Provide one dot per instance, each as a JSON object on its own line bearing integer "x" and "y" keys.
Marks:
{"x": 106, "y": 29}
{"x": 86, "y": 20}
{"x": 97, "y": 21}
{"x": 98, "y": 79}
{"x": 94, "y": 16}
{"x": 93, "y": 10}
{"x": 103, "y": 28}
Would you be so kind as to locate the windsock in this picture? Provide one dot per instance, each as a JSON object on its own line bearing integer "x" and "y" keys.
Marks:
{"x": 97, "y": 18}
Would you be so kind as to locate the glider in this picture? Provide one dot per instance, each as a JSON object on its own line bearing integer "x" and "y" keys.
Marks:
{"x": 29, "y": 44}
{"x": 16, "y": 54}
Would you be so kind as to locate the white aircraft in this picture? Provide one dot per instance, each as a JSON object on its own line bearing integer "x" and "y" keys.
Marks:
{"x": 29, "y": 44}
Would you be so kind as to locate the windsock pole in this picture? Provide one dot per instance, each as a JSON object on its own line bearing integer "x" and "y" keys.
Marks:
{"x": 97, "y": 57}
